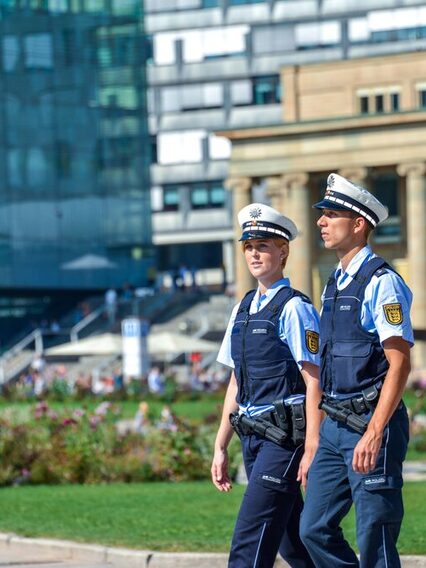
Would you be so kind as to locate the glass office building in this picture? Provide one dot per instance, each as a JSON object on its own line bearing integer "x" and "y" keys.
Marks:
{"x": 74, "y": 148}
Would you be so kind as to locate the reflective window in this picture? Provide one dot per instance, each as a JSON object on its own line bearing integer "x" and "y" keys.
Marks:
{"x": 314, "y": 35}
{"x": 241, "y": 92}
{"x": 266, "y": 90}
{"x": 422, "y": 98}
{"x": 38, "y": 51}
{"x": 198, "y": 45}
{"x": 239, "y": 2}
{"x": 191, "y": 97}
{"x": 207, "y": 195}
{"x": 219, "y": 147}
{"x": 180, "y": 147}
{"x": 389, "y": 25}
{"x": 11, "y": 52}
{"x": 170, "y": 198}
{"x": 273, "y": 39}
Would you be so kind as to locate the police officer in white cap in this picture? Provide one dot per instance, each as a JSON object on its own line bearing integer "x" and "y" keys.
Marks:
{"x": 366, "y": 336}
{"x": 271, "y": 344}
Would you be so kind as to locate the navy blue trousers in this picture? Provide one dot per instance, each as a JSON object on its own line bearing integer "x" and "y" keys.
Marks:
{"x": 269, "y": 517}
{"x": 333, "y": 486}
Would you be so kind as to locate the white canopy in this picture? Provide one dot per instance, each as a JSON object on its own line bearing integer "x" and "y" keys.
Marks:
{"x": 161, "y": 343}
{"x": 89, "y": 262}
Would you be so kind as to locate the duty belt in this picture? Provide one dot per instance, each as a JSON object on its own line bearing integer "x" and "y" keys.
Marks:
{"x": 348, "y": 410}
{"x": 360, "y": 403}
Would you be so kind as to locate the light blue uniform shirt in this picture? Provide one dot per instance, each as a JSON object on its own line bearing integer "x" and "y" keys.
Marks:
{"x": 295, "y": 320}
{"x": 381, "y": 290}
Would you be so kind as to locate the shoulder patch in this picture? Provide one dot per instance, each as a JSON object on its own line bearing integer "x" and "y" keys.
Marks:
{"x": 312, "y": 341}
{"x": 393, "y": 313}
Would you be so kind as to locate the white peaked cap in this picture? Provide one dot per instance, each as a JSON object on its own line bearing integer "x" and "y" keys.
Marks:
{"x": 343, "y": 194}
{"x": 259, "y": 221}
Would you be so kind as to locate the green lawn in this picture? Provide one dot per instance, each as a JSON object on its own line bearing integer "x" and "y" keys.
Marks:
{"x": 160, "y": 516}
{"x": 194, "y": 409}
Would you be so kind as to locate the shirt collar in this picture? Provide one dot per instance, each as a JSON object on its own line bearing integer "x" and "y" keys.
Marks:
{"x": 355, "y": 264}
{"x": 271, "y": 291}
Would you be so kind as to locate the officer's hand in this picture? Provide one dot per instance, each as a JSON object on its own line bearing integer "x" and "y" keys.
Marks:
{"x": 366, "y": 451}
{"x": 219, "y": 471}
{"x": 305, "y": 464}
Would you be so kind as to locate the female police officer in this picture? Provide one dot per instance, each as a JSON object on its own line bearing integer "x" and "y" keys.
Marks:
{"x": 272, "y": 345}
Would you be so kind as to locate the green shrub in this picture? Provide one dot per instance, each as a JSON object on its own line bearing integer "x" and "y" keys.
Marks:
{"x": 76, "y": 446}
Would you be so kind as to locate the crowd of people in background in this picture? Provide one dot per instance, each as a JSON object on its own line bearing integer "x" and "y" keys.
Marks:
{"x": 43, "y": 378}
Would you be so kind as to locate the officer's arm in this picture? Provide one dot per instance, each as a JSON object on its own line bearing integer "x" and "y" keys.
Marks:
{"x": 310, "y": 374}
{"x": 219, "y": 469}
{"x": 397, "y": 352}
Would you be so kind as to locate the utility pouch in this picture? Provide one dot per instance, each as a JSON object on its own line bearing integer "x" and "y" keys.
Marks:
{"x": 235, "y": 420}
{"x": 298, "y": 423}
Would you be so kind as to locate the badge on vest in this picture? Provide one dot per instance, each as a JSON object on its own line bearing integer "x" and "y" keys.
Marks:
{"x": 393, "y": 313}
{"x": 312, "y": 341}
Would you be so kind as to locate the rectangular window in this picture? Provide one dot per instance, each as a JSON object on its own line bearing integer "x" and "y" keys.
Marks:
{"x": 266, "y": 90}
{"x": 208, "y": 195}
{"x": 199, "y": 197}
{"x": 180, "y": 147}
{"x": 11, "y": 53}
{"x": 379, "y": 103}
{"x": 170, "y": 198}
{"x": 422, "y": 98}
{"x": 395, "y": 102}
{"x": 241, "y": 93}
{"x": 240, "y": 2}
{"x": 38, "y": 51}
{"x": 363, "y": 105}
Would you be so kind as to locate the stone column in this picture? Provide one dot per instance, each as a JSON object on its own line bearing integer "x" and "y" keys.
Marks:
{"x": 241, "y": 196}
{"x": 275, "y": 192}
{"x": 297, "y": 205}
{"x": 416, "y": 249}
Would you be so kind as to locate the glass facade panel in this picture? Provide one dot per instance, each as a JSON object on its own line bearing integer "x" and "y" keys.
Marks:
{"x": 75, "y": 149}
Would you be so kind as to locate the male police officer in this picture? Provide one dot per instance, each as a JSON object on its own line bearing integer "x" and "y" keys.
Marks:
{"x": 365, "y": 340}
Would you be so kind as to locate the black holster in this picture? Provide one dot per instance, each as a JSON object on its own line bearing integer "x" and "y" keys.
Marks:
{"x": 338, "y": 412}
{"x": 244, "y": 425}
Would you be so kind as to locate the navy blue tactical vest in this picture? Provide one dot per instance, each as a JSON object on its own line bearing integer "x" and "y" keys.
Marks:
{"x": 264, "y": 366}
{"x": 352, "y": 358}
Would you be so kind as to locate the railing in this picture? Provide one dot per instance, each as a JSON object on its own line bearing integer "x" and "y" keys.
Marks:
{"x": 78, "y": 327}
{"x": 35, "y": 337}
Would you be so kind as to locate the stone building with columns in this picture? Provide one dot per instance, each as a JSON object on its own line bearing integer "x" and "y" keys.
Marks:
{"x": 365, "y": 119}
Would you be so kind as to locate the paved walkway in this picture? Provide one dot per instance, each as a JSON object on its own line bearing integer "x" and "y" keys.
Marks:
{"x": 45, "y": 553}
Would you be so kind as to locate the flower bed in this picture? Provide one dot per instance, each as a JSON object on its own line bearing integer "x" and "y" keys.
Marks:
{"x": 76, "y": 446}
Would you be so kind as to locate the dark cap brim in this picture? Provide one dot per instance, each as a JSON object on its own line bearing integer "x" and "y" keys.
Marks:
{"x": 326, "y": 204}
{"x": 250, "y": 235}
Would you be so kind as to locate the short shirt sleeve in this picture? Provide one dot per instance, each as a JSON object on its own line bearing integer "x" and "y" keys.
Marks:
{"x": 386, "y": 307}
{"x": 299, "y": 328}
{"x": 224, "y": 355}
